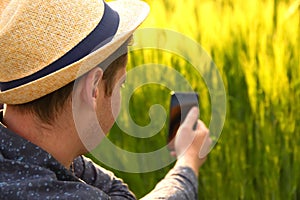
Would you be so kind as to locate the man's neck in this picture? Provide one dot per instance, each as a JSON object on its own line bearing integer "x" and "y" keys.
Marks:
{"x": 57, "y": 139}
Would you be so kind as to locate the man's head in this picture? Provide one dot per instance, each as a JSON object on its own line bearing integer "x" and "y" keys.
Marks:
{"x": 63, "y": 56}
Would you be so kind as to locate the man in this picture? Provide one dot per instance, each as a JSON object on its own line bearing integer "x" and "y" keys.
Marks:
{"x": 62, "y": 65}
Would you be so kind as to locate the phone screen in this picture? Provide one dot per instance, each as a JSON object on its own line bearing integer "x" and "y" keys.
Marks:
{"x": 180, "y": 105}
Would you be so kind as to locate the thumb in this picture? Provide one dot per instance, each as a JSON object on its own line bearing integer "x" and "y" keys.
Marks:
{"x": 191, "y": 117}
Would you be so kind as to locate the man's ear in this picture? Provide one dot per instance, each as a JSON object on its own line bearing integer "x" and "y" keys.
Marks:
{"x": 90, "y": 88}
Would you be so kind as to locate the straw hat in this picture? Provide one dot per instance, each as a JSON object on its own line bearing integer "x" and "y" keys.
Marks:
{"x": 46, "y": 44}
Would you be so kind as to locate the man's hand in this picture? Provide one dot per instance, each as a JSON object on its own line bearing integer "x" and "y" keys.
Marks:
{"x": 192, "y": 146}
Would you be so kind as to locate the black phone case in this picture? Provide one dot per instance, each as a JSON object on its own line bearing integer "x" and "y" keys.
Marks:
{"x": 180, "y": 105}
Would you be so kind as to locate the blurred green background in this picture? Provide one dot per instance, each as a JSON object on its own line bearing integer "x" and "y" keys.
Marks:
{"x": 256, "y": 46}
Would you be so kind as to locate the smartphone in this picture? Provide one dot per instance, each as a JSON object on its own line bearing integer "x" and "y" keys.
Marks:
{"x": 180, "y": 105}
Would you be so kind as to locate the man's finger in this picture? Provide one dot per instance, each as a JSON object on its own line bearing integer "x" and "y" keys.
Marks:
{"x": 191, "y": 117}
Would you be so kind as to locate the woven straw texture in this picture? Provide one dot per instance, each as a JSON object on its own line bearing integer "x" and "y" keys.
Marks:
{"x": 33, "y": 34}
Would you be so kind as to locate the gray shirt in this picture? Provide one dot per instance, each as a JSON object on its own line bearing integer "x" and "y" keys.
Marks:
{"x": 29, "y": 172}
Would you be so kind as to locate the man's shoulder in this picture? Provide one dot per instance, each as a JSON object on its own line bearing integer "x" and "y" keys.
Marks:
{"x": 13, "y": 172}
{"x": 24, "y": 181}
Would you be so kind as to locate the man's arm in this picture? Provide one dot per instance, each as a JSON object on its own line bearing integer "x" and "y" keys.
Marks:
{"x": 101, "y": 178}
{"x": 191, "y": 148}
{"x": 180, "y": 183}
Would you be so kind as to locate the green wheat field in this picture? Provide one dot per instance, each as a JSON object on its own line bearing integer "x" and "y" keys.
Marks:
{"x": 256, "y": 46}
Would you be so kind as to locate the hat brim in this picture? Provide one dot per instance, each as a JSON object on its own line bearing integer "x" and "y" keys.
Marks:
{"x": 132, "y": 13}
